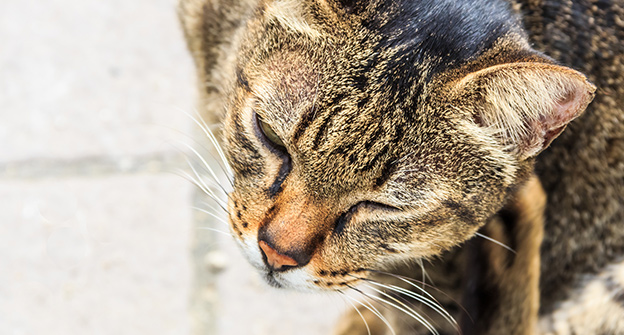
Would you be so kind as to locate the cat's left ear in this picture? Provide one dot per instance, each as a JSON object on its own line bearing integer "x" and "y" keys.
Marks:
{"x": 525, "y": 105}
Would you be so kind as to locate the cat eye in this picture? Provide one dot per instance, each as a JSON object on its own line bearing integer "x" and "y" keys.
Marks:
{"x": 371, "y": 205}
{"x": 270, "y": 134}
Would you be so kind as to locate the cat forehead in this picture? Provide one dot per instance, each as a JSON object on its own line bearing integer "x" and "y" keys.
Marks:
{"x": 320, "y": 102}
{"x": 454, "y": 30}
{"x": 382, "y": 63}
{"x": 280, "y": 89}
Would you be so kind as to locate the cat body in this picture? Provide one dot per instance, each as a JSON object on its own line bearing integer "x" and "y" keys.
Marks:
{"x": 583, "y": 171}
{"x": 365, "y": 134}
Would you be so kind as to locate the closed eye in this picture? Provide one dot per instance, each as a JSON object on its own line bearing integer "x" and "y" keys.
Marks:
{"x": 268, "y": 135}
{"x": 377, "y": 206}
{"x": 274, "y": 143}
{"x": 346, "y": 216}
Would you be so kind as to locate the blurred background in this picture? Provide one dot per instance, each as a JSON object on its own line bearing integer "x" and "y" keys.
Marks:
{"x": 98, "y": 234}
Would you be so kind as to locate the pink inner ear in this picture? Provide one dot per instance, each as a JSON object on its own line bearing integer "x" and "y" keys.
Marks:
{"x": 566, "y": 109}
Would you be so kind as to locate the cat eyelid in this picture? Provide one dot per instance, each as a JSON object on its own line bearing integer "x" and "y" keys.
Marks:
{"x": 374, "y": 205}
{"x": 268, "y": 136}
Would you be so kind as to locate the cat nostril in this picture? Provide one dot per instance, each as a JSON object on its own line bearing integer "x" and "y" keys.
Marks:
{"x": 275, "y": 260}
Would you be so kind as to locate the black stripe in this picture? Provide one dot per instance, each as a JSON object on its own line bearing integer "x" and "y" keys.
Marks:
{"x": 301, "y": 127}
{"x": 281, "y": 176}
{"x": 242, "y": 80}
{"x": 363, "y": 102}
{"x": 373, "y": 138}
{"x": 322, "y": 130}
{"x": 460, "y": 210}
{"x": 386, "y": 172}
{"x": 247, "y": 161}
{"x": 241, "y": 138}
{"x": 371, "y": 163}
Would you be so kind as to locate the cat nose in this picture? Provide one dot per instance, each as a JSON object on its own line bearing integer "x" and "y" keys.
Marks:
{"x": 276, "y": 260}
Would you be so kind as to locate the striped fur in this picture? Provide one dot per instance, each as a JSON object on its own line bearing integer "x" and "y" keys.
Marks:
{"x": 408, "y": 126}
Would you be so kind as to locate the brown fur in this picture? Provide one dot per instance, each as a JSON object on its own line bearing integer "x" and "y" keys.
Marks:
{"x": 509, "y": 280}
{"x": 397, "y": 149}
{"x": 583, "y": 171}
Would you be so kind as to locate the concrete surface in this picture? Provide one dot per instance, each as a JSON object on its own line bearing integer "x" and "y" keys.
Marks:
{"x": 97, "y": 232}
{"x": 86, "y": 256}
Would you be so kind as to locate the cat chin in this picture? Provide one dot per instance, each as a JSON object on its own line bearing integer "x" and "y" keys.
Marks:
{"x": 296, "y": 279}
{"x": 252, "y": 253}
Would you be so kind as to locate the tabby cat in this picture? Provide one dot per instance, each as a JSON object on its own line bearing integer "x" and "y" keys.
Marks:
{"x": 366, "y": 135}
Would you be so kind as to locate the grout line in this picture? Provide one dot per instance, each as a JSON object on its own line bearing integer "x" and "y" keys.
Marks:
{"x": 204, "y": 293}
{"x": 44, "y": 168}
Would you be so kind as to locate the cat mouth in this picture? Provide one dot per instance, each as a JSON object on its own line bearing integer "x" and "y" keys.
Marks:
{"x": 305, "y": 283}
{"x": 269, "y": 277}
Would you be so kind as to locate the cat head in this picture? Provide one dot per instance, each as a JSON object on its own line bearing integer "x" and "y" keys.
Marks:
{"x": 364, "y": 133}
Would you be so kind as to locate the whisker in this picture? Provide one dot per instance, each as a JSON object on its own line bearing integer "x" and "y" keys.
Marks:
{"x": 425, "y": 274}
{"x": 216, "y": 230}
{"x": 206, "y": 129}
{"x": 398, "y": 160}
{"x": 211, "y": 214}
{"x": 215, "y": 210}
{"x": 199, "y": 178}
{"x": 430, "y": 303}
{"x": 405, "y": 309}
{"x": 206, "y": 165}
{"x": 217, "y": 146}
{"x": 358, "y": 311}
{"x": 370, "y": 307}
{"x": 206, "y": 188}
{"x": 390, "y": 304}
{"x": 184, "y": 175}
{"x": 216, "y": 185}
{"x": 213, "y": 181}
{"x": 197, "y": 143}
{"x": 188, "y": 177}
{"x": 412, "y": 282}
{"x": 495, "y": 241}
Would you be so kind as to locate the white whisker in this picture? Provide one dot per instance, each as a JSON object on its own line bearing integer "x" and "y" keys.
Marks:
{"x": 206, "y": 129}
{"x": 371, "y": 308}
{"x": 215, "y": 210}
{"x": 495, "y": 241}
{"x": 410, "y": 281}
{"x": 404, "y": 308}
{"x": 207, "y": 166}
{"x": 361, "y": 316}
{"x": 206, "y": 188}
{"x": 403, "y": 158}
{"x": 430, "y": 303}
{"x": 211, "y": 214}
{"x": 216, "y": 230}
{"x": 413, "y": 283}
{"x": 425, "y": 274}
{"x": 188, "y": 177}
{"x": 198, "y": 144}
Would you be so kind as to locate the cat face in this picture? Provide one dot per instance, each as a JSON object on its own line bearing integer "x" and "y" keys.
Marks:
{"x": 356, "y": 144}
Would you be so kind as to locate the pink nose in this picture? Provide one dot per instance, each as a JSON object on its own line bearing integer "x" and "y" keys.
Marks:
{"x": 274, "y": 259}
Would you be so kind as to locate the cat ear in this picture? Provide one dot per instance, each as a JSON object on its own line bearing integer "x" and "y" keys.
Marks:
{"x": 525, "y": 105}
